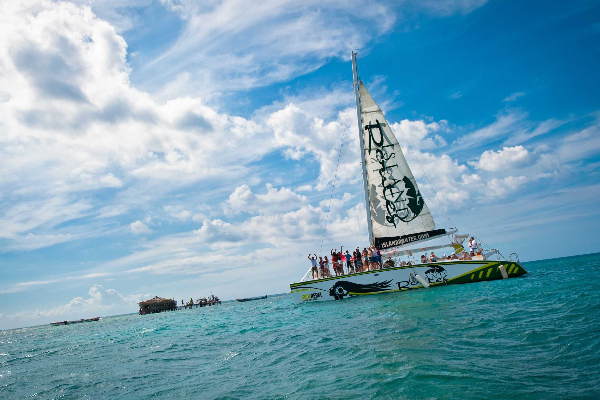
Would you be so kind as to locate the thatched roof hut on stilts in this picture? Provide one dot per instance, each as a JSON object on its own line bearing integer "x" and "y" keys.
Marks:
{"x": 156, "y": 305}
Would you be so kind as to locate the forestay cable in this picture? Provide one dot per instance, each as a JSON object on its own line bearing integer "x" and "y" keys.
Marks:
{"x": 335, "y": 177}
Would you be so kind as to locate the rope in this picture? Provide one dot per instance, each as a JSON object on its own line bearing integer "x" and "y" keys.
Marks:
{"x": 428, "y": 180}
{"x": 335, "y": 179}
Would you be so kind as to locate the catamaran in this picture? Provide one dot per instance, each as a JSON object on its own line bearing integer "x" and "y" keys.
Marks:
{"x": 398, "y": 218}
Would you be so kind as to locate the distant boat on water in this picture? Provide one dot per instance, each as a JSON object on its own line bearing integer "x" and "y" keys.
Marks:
{"x": 74, "y": 322}
{"x": 252, "y": 298}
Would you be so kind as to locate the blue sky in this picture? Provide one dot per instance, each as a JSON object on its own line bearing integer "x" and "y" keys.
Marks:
{"x": 169, "y": 148}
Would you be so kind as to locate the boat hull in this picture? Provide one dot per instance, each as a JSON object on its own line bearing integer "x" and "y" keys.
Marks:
{"x": 251, "y": 299}
{"x": 402, "y": 278}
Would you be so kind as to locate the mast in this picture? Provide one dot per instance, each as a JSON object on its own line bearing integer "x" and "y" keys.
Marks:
{"x": 362, "y": 146}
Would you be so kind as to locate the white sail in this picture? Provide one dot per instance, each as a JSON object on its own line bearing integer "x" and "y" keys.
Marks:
{"x": 398, "y": 211}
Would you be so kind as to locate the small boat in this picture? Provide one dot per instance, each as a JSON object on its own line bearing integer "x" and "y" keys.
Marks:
{"x": 74, "y": 322}
{"x": 252, "y": 298}
{"x": 398, "y": 216}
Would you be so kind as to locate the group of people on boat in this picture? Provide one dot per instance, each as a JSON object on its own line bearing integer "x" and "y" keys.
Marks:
{"x": 474, "y": 250}
{"x": 212, "y": 299}
{"x": 433, "y": 258}
{"x": 369, "y": 259}
{"x": 342, "y": 263}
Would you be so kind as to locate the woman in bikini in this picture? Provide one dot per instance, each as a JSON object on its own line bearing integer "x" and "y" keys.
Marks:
{"x": 334, "y": 262}
{"x": 365, "y": 259}
{"x": 321, "y": 268}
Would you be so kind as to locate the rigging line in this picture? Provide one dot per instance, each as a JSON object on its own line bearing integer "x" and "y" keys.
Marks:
{"x": 426, "y": 176}
{"x": 357, "y": 229}
{"x": 334, "y": 178}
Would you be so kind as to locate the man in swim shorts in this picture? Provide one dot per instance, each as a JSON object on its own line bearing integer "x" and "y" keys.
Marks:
{"x": 313, "y": 262}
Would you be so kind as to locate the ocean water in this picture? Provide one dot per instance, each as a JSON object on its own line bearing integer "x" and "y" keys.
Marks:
{"x": 536, "y": 337}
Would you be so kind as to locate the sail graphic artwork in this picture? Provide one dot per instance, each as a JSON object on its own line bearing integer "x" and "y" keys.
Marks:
{"x": 398, "y": 216}
{"x": 398, "y": 212}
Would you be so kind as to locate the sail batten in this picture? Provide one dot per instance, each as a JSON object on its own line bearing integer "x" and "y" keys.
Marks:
{"x": 397, "y": 208}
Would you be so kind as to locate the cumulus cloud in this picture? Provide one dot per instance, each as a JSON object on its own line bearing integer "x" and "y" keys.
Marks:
{"x": 243, "y": 200}
{"x": 139, "y": 228}
{"x": 501, "y": 187}
{"x": 327, "y": 142}
{"x": 217, "y": 231}
{"x": 101, "y": 302}
{"x": 304, "y": 188}
{"x": 506, "y": 158}
{"x": 93, "y": 132}
{"x": 420, "y": 134}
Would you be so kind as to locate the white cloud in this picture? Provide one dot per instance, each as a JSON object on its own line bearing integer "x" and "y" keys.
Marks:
{"x": 456, "y": 95}
{"x": 449, "y": 7}
{"x": 304, "y": 188}
{"x": 31, "y": 241}
{"x": 72, "y": 125}
{"x": 543, "y": 128}
{"x": 580, "y": 145}
{"x": 26, "y": 215}
{"x": 112, "y": 211}
{"x": 139, "y": 228}
{"x": 273, "y": 201}
{"x": 508, "y": 157}
{"x": 418, "y": 133}
{"x": 230, "y": 45}
{"x": 514, "y": 96}
{"x": 501, "y": 187}
{"x": 507, "y": 123}
{"x": 178, "y": 212}
{"x": 109, "y": 180}
{"x": 295, "y": 128}
{"x": 100, "y": 302}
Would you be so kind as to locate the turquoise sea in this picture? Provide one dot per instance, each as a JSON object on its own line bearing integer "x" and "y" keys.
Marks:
{"x": 536, "y": 337}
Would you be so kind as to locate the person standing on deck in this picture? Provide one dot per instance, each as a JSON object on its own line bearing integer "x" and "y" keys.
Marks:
{"x": 365, "y": 259}
{"x": 378, "y": 259}
{"x": 326, "y": 266}
{"x": 313, "y": 268}
{"x": 358, "y": 259}
{"x": 334, "y": 262}
{"x": 370, "y": 258}
{"x": 355, "y": 259}
{"x": 349, "y": 264}
{"x": 321, "y": 267}
{"x": 341, "y": 259}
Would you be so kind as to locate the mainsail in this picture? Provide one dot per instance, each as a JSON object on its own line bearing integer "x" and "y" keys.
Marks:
{"x": 398, "y": 211}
